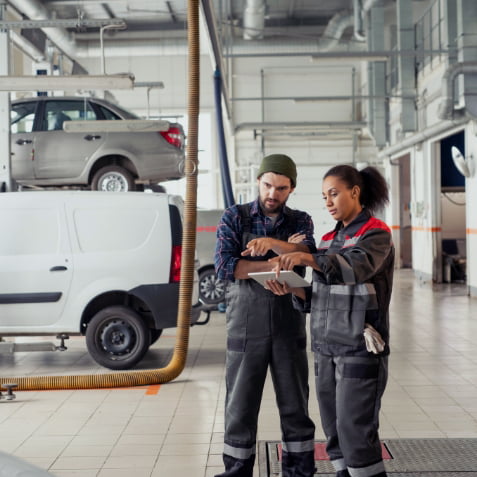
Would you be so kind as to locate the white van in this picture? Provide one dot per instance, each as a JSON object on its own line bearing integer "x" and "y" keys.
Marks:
{"x": 103, "y": 265}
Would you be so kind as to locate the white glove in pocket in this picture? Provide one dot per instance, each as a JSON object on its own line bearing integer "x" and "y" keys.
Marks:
{"x": 374, "y": 342}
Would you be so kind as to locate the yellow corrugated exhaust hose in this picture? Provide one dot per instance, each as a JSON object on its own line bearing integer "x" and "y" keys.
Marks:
{"x": 178, "y": 359}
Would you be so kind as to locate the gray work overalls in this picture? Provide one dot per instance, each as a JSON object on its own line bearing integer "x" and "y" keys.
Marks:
{"x": 264, "y": 330}
{"x": 353, "y": 287}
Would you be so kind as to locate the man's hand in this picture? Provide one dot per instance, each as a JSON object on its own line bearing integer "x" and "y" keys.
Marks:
{"x": 283, "y": 289}
{"x": 258, "y": 247}
{"x": 277, "y": 287}
{"x": 296, "y": 238}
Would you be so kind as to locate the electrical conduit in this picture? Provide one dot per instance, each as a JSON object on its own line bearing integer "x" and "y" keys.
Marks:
{"x": 224, "y": 162}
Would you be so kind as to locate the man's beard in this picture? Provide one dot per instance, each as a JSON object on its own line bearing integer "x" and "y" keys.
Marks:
{"x": 271, "y": 209}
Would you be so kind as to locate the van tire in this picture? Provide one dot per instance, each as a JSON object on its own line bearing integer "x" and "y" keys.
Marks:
{"x": 117, "y": 337}
{"x": 113, "y": 179}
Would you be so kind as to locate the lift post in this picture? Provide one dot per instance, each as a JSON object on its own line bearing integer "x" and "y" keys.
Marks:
{"x": 5, "y": 153}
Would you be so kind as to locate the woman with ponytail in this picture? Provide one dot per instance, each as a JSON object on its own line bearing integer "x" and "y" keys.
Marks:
{"x": 349, "y": 306}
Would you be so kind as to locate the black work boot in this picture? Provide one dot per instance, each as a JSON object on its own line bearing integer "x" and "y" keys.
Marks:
{"x": 342, "y": 473}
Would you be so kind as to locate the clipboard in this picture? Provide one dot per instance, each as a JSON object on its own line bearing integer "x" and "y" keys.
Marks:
{"x": 289, "y": 276}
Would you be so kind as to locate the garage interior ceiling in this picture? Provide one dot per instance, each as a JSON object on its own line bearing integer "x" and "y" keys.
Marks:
{"x": 254, "y": 26}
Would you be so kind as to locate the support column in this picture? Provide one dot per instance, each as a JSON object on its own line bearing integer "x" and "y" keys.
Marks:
{"x": 467, "y": 44}
{"x": 406, "y": 65}
{"x": 5, "y": 157}
{"x": 378, "y": 119}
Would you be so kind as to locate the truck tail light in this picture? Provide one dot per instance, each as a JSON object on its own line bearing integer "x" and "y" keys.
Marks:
{"x": 175, "y": 274}
{"x": 173, "y": 136}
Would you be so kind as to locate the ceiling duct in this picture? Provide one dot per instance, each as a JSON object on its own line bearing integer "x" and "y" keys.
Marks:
{"x": 254, "y": 20}
{"x": 358, "y": 20}
{"x": 335, "y": 29}
{"x": 26, "y": 47}
{"x": 76, "y": 48}
{"x": 34, "y": 10}
{"x": 360, "y": 7}
{"x": 446, "y": 107}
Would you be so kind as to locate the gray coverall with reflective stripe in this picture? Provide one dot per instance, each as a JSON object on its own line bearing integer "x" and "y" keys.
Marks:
{"x": 264, "y": 330}
{"x": 352, "y": 288}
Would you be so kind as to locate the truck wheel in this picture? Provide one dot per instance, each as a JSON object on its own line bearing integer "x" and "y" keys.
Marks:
{"x": 117, "y": 337}
{"x": 211, "y": 288}
{"x": 113, "y": 179}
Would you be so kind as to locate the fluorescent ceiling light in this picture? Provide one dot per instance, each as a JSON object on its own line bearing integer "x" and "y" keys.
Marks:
{"x": 73, "y": 82}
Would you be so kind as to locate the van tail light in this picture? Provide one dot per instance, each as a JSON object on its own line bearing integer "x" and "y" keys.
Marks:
{"x": 175, "y": 275}
{"x": 173, "y": 136}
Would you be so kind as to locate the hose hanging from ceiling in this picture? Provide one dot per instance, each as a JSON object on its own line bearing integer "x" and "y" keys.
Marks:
{"x": 178, "y": 359}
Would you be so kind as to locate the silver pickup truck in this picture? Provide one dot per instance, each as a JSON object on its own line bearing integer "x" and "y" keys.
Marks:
{"x": 211, "y": 289}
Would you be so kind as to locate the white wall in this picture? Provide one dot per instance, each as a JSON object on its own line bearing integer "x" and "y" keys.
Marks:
{"x": 453, "y": 205}
{"x": 422, "y": 209}
{"x": 471, "y": 215}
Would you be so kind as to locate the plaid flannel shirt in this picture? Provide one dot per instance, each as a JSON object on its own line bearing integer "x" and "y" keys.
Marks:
{"x": 229, "y": 235}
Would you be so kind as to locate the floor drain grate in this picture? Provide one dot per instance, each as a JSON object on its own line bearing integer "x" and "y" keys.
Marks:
{"x": 402, "y": 458}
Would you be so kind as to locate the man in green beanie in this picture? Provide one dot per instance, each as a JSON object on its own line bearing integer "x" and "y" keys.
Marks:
{"x": 264, "y": 331}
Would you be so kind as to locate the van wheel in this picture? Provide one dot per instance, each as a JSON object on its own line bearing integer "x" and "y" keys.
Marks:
{"x": 113, "y": 179}
{"x": 117, "y": 337}
{"x": 211, "y": 288}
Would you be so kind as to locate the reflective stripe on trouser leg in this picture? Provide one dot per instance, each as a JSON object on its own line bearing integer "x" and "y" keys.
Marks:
{"x": 298, "y": 459}
{"x": 364, "y": 380}
{"x": 339, "y": 464}
{"x": 289, "y": 371}
{"x": 246, "y": 373}
{"x": 376, "y": 470}
{"x": 235, "y": 467}
{"x": 325, "y": 384}
{"x": 349, "y": 390}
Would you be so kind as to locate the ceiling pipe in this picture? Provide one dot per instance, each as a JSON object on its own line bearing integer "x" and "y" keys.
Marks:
{"x": 254, "y": 20}
{"x": 427, "y": 134}
{"x": 278, "y": 125}
{"x": 334, "y": 30}
{"x": 77, "y": 49}
{"x": 34, "y": 10}
{"x": 358, "y": 20}
{"x": 359, "y": 11}
{"x": 26, "y": 47}
{"x": 446, "y": 106}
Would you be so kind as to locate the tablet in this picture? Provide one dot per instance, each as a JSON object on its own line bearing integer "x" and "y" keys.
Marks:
{"x": 290, "y": 277}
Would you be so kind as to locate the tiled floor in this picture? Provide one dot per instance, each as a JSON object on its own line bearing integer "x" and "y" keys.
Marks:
{"x": 176, "y": 429}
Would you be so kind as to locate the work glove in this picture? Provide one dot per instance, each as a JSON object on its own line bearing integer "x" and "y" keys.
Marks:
{"x": 374, "y": 342}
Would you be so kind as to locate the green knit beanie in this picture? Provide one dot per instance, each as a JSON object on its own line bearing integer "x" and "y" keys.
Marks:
{"x": 279, "y": 164}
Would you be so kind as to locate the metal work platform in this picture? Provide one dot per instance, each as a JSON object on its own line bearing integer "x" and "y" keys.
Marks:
{"x": 402, "y": 458}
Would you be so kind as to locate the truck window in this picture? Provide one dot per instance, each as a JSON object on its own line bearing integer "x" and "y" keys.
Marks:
{"x": 28, "y": 232}
{"x": 98, "y": 232}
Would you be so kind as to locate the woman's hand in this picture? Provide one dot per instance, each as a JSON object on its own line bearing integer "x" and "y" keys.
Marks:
{"x": 287, "y": 261}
